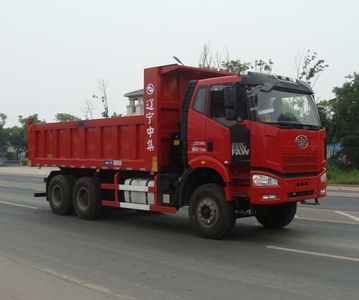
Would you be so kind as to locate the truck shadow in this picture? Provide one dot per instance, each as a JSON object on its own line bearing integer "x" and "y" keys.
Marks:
{"x": 245, "y": 230}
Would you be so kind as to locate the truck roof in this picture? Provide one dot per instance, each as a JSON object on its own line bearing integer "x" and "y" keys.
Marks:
{"x": 255, "y": 78}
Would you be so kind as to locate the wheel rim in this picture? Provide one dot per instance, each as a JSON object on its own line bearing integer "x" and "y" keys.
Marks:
{"x": 83, "y": 199}
{"x": 57, "y": 195}
{"x": 207, "y": 212}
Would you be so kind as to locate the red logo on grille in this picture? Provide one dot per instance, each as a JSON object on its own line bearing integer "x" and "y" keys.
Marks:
{"x": 302, "y": 141}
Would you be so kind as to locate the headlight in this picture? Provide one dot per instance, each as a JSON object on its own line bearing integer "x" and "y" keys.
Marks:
{"x": 323, "y": 178}
{"x": 263, "y": 180}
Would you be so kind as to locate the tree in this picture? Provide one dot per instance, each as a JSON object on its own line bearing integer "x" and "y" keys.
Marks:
{"x": 102, "y": 85}
{"x": 309, "y": 67}
{"x": 235, "y": 66}
{"x": 3, "y": 118}
{"x": 34, "y": 117}
{"x": 89, "y": 109}
{"x": 263, "y": 66}
{"x": 214, "y": 61}
{"x": 63, "y": 117}
{"x": 340, "y": 117}
{"x": 23, "y": 122}
{"x": 206, "y": 58}
{"x": 15, "y": 137}
{"x": 326, "y": 113}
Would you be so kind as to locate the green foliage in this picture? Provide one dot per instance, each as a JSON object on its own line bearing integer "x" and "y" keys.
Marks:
{"x": 63, "y": 117}
{"x": 346, "y": 109}
{"x": 309, "y": 67}
{"x": 262, "y": 66}
{"x": 350, "y": 146}
{"x": 337, "y": 175}
{"x": 235, "y": 66}
{"x": 209, "y": 60}
{"x": 11, "y": 155}
{"x": 3, "y": 118}
{"x": 326, "y": 113}
{"x": 23, "y": 121}
{"x": 13, "y": 140}
{"x": 15, "y": 137}
{"x": 34, "y": 117}
{"x": 340, "y": 117}
{"x": 346, "y": 112}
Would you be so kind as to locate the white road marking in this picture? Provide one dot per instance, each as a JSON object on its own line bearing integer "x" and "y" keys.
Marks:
{"x": 323, "y": 209}
{"x": 314, "y": 253}
{"x": 75, "y": 280}
{"x": 342, "y": 194}
{"x": 347, "y": 215}
{"x": 326, "y": 220}
{"x": 17, "y": 204}
{"x": 22, "y": 186}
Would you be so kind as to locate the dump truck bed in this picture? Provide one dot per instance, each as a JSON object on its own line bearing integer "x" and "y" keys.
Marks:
{"x": 103, "y": 143}
{"x": 143, "y": 143}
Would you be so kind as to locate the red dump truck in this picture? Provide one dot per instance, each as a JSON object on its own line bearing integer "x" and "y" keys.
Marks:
{"x": 227, "y": 146}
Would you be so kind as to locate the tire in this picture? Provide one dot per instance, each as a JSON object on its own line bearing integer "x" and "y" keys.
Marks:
{"x": 210, "y": 215}
{"x": 59, "y": 194}
{"x": 86, "y": 198}
{"x": 276, "y": 216}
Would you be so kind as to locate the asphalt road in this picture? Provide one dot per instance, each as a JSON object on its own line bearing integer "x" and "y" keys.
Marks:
{"x": 133, "y": 255}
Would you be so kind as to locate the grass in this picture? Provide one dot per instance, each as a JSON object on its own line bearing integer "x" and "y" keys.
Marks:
{"x": 336, "y": 175}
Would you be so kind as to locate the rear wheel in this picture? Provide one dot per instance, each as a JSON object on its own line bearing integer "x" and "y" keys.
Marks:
{"x": 59, "y": 194}
{"x": 86, "y": 198}
{"x": 276, "y": 216}
{"x": 210, "y": 215}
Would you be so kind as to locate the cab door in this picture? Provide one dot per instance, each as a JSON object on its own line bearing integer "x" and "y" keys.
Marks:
{"x": 197, "y": 123}
{"x": 218, "y": 136}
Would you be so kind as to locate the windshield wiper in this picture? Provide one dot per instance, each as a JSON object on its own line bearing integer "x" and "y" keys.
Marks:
{"x": 285, "y": 124}
{"x": 311, "y": 126}
{"x": 296, "y": 125}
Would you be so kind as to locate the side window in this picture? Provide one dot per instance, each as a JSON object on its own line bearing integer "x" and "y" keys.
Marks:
{"x": 216, "y": 96}
{"x": 199, "y": 103}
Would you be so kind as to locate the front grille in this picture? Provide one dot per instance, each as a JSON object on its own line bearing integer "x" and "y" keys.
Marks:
{"x": 299, "y": 168}
{"x": 299, "y": 194}
{"x": 300, "y": 163}
{"x": 299, "y": 159}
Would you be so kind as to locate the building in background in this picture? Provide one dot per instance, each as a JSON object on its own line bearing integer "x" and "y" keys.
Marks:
{"x": 135, "y": 106}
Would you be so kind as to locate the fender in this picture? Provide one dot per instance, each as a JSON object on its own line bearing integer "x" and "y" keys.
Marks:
{"x": 211, "y": 163}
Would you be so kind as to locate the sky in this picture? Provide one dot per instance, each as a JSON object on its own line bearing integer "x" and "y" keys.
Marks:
{"x": 52, "y": 53}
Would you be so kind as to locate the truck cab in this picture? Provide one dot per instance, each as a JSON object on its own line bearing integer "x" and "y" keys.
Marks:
{"x": 259, "y": 137}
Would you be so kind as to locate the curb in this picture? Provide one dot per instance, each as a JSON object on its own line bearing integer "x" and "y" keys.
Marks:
{"x": 343, "y": 188}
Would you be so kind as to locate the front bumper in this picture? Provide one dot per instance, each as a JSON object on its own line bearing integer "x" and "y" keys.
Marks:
{"x": 288, "y": 190}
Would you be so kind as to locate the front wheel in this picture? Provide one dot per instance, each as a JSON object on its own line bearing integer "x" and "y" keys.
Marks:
{"x": 210, "y": 215}
{"x": 276, "y": 216}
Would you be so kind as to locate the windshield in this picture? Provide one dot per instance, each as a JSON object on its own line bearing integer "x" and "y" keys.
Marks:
{"x": 284, "y": 108}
